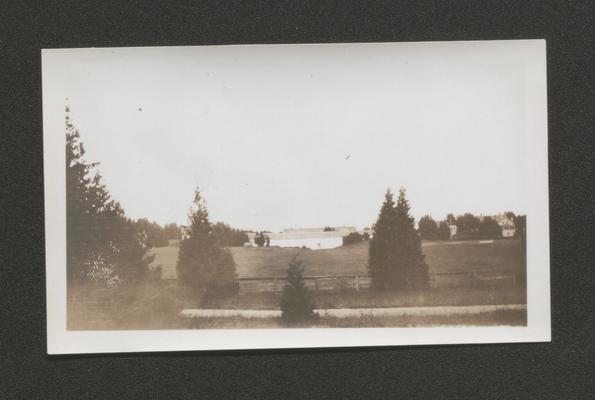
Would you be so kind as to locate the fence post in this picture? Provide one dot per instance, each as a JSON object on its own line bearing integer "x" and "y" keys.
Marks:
{"x": 357, "y": 283}
{"x": 275, "y": 284}
{"x": 513, "y": 278}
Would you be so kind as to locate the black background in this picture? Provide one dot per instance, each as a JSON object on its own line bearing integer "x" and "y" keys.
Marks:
{"x": 562, "y": 369}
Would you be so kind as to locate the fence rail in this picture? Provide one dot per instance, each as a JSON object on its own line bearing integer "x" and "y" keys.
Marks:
{"x": 472, "y": 278}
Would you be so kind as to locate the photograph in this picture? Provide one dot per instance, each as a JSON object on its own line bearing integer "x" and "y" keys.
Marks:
{"x": 299, "y": 195}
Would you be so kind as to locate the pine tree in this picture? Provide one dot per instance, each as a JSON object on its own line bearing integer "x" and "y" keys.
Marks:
{"x": 101, "y": 243}
{"x": 203, "y": 264}
{"x": 395, "y": 258}
{"x": 296, "y": 304}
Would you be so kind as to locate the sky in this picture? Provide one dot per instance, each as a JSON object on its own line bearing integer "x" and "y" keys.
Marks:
{"x": 291, "y": 136}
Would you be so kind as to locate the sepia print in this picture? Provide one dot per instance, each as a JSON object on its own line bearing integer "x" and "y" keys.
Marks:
{"x": 306, "y": 189}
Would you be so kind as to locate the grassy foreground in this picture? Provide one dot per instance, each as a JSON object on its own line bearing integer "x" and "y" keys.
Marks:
{"x": 157, "y": 305}
{"x": 496, "y": 318}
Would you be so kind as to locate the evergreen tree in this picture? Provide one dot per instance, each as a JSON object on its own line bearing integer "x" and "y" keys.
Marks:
{"x": 101, "y": 243}
{"x": 395, "y": 257}
{"x": 202, "y": 264}
{"x": 296, "y": 304}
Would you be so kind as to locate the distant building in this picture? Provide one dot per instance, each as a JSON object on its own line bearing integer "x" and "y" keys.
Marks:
{"x": 311, "y": 238}
{"x": 506, "y": 223}
{"x": 453, "y": 230}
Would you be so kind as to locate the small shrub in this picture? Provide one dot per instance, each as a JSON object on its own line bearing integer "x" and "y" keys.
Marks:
{"x": 296, "y": 304}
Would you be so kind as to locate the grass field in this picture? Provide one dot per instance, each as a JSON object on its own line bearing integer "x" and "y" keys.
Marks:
{"x": 156, "y": 305}
{"x": 352, "y": 260}
{"x": 496, "y": 318}
{"x": 166, "y": 257}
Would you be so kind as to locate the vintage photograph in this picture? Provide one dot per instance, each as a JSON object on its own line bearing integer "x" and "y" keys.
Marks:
{"x": 324, "y": 189}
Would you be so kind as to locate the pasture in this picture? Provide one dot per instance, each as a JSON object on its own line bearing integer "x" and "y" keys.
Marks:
{"x": 166, "y": 257}
{"x": 254, "y": 262}
{"x": 353, "y": 259}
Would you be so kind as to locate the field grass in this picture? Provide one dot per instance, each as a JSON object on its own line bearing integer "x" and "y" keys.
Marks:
{"x": 273, "y": 261}
{"x": 167, "y": 258}
{"x": 371, "y": 299}
{"x": 156, "y": 305}
{"x": 151, "y": 305}
{"x": 474, "y": 255}
{"x": 353, "y": 259}
{"x": 495, "y": 318}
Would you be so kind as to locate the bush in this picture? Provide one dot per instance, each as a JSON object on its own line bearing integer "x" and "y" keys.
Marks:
{"x": 352, "y": 238}
{"x": 296, "y": 304}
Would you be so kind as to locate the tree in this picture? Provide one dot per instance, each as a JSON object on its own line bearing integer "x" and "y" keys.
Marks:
{"x": 395, "y": 258}
{"x": 172, "y": 231}
{"x": 296, "y": 304}
{"x": 467, "y": 226}
{"x": 156, "y": 235}
{"x": 520, "y": 231}
{"x": 489, "y": 229}
{"x": 428, "y": 228}
{"x": 366, "y": 236}
{"x": 510, "y": 215}
{"x": 352, "y": 238}
{"x": 102, "y": 245}
{"x": 520, "y": 226}
{"x": 259, "y": 239}
{"x": 203, "y": 264}
{"x": 229, "y": 237}
{"x": 444, "y": 230}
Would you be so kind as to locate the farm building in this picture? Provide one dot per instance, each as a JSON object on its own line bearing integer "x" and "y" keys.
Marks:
{"x": 311, "y": 238}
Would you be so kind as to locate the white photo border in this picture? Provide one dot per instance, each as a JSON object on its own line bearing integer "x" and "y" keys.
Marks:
{"x": 532, "y": 53}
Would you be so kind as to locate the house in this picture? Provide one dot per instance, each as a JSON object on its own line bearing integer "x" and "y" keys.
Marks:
{"x": 311, "y": 238}
{"x": 506, "y": 222}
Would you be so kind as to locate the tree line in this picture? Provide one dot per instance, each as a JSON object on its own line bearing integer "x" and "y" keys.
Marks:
{"x": 468, "y": 226}
{"x": 157, "y": 235}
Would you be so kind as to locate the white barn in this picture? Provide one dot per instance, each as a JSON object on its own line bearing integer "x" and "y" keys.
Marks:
{"x": 311, "y": 238}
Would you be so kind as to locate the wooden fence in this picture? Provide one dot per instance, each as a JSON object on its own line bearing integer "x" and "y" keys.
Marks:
{"x": 473, "y": 279}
